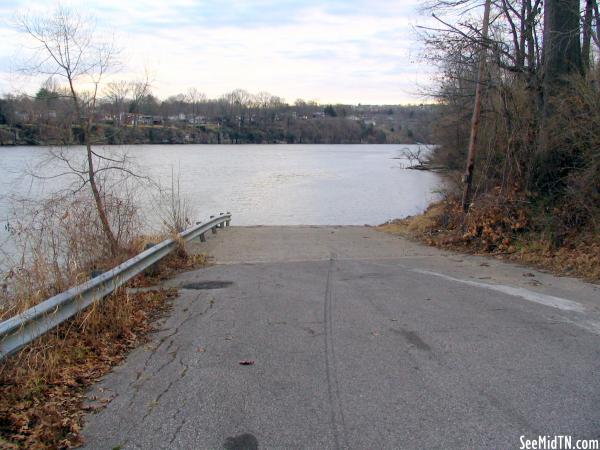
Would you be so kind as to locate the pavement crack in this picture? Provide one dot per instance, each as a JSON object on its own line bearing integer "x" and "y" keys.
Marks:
{"x": 185, "y": 366}
{"x": 135, "y": 385}
{"x": 156, "y": 401}
{"x": 180, "y": 408}
{"x": 173, "y": 356}
{"x": 178, "y": 429}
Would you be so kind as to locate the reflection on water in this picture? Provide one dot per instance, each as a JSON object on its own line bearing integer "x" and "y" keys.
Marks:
{"x": 266, "y": 184}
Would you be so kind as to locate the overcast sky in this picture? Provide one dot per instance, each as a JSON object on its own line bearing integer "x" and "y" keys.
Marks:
{"x": 347, "y": 51}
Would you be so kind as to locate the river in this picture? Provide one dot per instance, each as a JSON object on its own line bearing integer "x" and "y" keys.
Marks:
{"x": 261, "y": 184}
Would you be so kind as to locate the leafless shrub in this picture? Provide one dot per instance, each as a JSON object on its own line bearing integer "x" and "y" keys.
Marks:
{"x": 58, "y": 242}
{"x": 174, "y": 210}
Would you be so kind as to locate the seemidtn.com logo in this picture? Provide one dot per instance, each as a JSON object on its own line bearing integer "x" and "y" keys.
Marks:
{"x": 559, "y": 442}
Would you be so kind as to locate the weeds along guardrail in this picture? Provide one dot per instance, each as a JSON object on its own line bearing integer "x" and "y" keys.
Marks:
{"x": 20, "y": 330}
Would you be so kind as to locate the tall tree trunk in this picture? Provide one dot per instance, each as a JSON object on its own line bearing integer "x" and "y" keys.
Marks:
{"x": 561, "y": 58}
{"x": 561, "y": 53}
{"x": 587, "y": 34}
{"x": 562, "y": 49}
{"x": 468, "y": 177}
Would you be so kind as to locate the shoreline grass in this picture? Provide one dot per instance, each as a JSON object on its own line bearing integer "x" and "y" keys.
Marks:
{"x": 502, "y": 228}
{"x": 43, "y": 386}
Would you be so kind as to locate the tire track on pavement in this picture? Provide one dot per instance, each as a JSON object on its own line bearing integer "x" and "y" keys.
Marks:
{"x": 333, "y": 387}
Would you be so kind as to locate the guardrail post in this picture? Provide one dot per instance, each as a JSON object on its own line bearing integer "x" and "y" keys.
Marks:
{"x": 221, "y": 225}
{"x": 228, "y": 220}
{"x": 153, "y": 269}
{"x": 213, "y": 229}
{"x": 201, "y": 237}
{"x": 95, "y": 273}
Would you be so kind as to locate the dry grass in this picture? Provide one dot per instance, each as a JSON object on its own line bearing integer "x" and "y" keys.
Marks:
{"x": 43, "y": 385}
{"x": 60, "y": 244}
{"x": 500, "y": 225}
{"x": 579, "y": 256}
{"x": 416, "y": 225}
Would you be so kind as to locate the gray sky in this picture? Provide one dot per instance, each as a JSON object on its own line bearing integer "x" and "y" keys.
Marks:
{"x": 347, "y": 51}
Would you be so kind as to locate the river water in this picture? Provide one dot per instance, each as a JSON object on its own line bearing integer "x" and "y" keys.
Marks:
{"x": 261, "y": 184}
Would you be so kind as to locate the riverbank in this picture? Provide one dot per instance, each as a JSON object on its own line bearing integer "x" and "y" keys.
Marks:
{"x": 502, "y": 228}
{"x": 314, "y": 131}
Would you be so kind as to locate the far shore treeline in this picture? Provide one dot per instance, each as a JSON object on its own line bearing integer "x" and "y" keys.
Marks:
{"x": 129, "y": 113}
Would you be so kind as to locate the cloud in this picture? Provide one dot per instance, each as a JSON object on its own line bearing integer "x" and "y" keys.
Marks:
{"x": 335, "y": 51}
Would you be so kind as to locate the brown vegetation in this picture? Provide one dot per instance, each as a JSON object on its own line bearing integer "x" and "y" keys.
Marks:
{"x": 536, "y": 179}
{"x": 43, "y": 386}
{"x": 502, "y": 227}
{"x": 56, "y": 244}
{"x": 43, "y": 401}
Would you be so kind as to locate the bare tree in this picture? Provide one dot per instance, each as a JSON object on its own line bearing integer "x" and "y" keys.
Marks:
{"x": 67, "y": 48}
{"x": 116, "y": 93}
{"x": 468, "y": 179}
{"x": 139, "y": 90}
{"x": 195, "y": 97}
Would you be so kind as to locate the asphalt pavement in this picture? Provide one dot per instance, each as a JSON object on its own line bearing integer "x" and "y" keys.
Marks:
{"x": 346, "y": 337}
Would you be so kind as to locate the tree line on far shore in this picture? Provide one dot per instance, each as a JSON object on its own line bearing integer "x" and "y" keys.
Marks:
{"x": 128, "y": 113}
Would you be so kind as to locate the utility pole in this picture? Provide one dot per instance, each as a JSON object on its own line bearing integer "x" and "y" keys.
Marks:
{"x": 468, "y": 176}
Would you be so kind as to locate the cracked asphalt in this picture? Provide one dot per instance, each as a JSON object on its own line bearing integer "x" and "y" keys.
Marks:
{"x": 358, "y": 339}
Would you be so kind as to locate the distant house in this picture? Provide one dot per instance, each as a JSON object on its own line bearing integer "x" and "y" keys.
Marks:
{"x": 145, "y": 120}
{"x": 196, "y": 120}
{"x": 23, "y": 116}
{"x": 128, "y": 119}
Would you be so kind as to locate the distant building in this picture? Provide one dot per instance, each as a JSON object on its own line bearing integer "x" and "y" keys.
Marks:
{"x": 145, "y": 120}
{"x": 23, "y": 116}
{"x": 196, "y": 120}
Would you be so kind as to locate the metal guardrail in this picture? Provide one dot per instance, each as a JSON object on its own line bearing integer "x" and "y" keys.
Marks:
{"x": 20, "y": 330}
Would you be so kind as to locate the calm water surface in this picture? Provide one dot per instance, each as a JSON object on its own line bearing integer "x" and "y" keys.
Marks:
{"x": 264, "y": 184}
